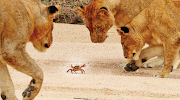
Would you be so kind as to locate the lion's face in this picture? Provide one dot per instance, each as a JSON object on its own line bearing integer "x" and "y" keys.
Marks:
{"x": 41, "y": 37}
{"x": 128, "y": 42}
{"x": 98, "y": 20}
{"x": 45, "y": 42}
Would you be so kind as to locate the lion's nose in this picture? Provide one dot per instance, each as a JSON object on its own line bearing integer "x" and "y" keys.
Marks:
{"x": 54, "y": 20}
{"x": 107, "y": 36}
{"x": 46, "y": 45}
{"x": 133, "y": 54}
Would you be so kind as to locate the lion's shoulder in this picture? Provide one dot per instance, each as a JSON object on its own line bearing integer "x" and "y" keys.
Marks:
{"x": 177, "y": 4}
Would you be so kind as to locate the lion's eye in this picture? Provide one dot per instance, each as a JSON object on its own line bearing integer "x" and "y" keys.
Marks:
{"x": 98, "y": 28}
{"x": 122, "y": 44}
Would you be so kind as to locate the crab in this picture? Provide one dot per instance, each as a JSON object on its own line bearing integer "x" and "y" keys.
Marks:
{"x": 76, "y": 68}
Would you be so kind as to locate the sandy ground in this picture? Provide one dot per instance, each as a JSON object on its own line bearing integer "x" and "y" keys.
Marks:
{"x": 103, "y": 80}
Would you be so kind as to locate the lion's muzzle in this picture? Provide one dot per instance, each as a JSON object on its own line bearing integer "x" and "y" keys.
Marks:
{"x": 98, "y": 38}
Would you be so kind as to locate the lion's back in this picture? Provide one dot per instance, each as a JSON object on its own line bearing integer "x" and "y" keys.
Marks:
{"x": 14, "y": 18}
{"x": 13, "y": 8}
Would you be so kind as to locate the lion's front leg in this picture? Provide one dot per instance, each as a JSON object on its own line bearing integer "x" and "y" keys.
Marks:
{"x": 176, "y": 62}
{"x": 6, "y": 85}
{"x": 22, "y": 62}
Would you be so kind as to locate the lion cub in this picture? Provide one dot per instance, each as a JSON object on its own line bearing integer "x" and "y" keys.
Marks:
{"x": 23, "y": 21}
{"x": 158, "y": 24}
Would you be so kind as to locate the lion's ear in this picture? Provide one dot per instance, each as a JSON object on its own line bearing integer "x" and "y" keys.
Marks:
{"x": 125, "y": 29}
{"x": 122, "y": 33}
{"x": 103, "y": 12}
{"x": 81, "y": 11}
{"x": 103, "y": 8}
{"x": 53, "y": 9}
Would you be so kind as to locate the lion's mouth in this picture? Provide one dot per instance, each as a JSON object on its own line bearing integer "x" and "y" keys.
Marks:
{"x": 40, "y": 47}
{"x": 99, "y": 39}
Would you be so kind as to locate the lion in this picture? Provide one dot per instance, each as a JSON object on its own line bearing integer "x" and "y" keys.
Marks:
{"x": 23, "y": 21}
{"x": 146, "y": 54}
{"x": 101, "y": 15}
{"x": 158, "y": 24}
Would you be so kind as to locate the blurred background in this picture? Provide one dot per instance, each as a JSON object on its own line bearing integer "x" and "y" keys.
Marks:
{"x": 68, "y": 13}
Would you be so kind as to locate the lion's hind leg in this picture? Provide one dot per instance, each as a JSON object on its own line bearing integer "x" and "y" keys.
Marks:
{"x": 169, "y": 58}
{"x": 154, "y": 62}
{"x": 145, "y": 57}
{"x": 159, "y": 52}
{"x": 6, "y": 85}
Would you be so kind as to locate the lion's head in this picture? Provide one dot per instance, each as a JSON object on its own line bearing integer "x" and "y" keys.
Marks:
{"x": 41, "y": 37}
{"x": 45, "y": 42}
{"x": 131, "y": 43}
{"x": 98, "y": 20}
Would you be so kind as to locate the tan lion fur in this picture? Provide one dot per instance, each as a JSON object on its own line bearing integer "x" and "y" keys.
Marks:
{"x": 151, "y": 52}
{"x": 23, "y": 21}
{"x": 158, "y": 24}
{"x": 120, "y": 12}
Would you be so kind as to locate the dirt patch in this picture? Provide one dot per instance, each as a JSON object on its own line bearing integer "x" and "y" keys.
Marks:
{"x": 68, "y": 13}
{"x": 102, "y": 80}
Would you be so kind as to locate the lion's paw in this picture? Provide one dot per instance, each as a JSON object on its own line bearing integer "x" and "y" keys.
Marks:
{"x": 27, "y": 92}
{"x": 3, "y": 97}
{"x": 129, "y": 67}
{"x": 122, "y": 66}
{"x": 146, "y": 65}
{"x": 160, "y": 75}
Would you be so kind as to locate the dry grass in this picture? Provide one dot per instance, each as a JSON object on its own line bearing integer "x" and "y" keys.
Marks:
{"x": 68, "y": 13}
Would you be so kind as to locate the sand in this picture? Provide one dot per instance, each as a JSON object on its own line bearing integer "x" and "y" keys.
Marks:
{"x": 103, "y": 79}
